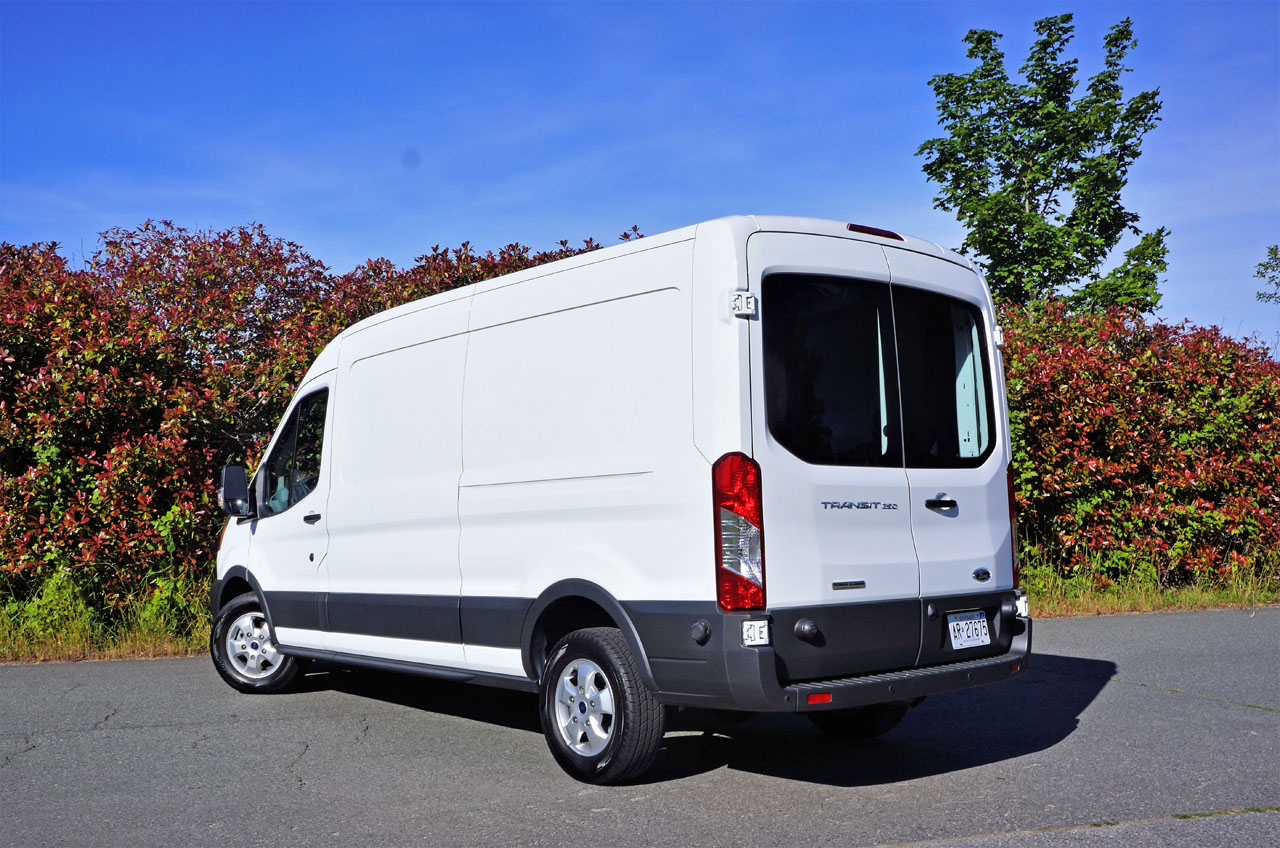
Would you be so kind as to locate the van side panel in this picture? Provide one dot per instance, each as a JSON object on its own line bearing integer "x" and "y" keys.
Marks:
{"x": 578, "y": 448}
{"x": 721, "y": 341}
{"x": 393, "y": 520}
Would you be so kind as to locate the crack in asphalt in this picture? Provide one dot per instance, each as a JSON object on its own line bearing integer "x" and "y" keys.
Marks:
{"x": 1194, "y": 695}
{"x": 114, "y": 711}
{"x": 31, "y": 746}
{"x": 293, "y": 766}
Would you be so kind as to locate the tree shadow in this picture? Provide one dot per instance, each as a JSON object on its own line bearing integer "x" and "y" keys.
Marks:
{"x": 946, "y": 733}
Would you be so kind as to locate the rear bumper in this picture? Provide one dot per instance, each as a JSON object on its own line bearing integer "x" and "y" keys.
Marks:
{"x": 858, "y": 662}
{"x": 901, "y": 685}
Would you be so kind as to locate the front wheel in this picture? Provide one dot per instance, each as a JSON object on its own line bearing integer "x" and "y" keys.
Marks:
{"x": 243, "y": 651}
{"x": 602, "y": 725}
{"x": 859, "y": 722}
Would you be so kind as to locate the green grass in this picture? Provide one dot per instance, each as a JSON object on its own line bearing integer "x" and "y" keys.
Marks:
{"x": 57, "y": 623}
{"x": 1092, "y": 592}
{"x": 122, "y": 642}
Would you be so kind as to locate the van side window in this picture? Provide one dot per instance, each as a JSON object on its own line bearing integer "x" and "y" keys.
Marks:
{"x": 830, "y": 377}
{"x": 294, "y": 464}
{"x": 306, "y": 463}
{"x": 947, "y": 415}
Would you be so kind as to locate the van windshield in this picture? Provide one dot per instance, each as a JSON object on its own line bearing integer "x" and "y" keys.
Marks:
{"x": 840, "y": 391}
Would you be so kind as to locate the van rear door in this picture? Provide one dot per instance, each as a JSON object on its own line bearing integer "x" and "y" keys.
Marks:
{"x": 954, "y": 444}
{"x": 826, "y": 433}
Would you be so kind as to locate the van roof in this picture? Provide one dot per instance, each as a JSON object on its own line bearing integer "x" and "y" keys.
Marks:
{"x": 840, "y": 229}
{"x": 742, "y": 225}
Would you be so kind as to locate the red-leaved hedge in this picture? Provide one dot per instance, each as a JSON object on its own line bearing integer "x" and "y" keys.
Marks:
{"x": 126, "y": 384}
{"x": 1143, "y": 444}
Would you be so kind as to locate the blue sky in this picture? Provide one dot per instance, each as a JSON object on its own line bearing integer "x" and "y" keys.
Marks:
{"x": 383, "y": 129}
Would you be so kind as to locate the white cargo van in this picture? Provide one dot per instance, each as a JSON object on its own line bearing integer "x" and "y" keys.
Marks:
{"x": 757, "y": 464}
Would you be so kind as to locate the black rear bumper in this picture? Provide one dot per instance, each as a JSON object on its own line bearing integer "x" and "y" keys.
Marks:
{"x": 861, "y": 654}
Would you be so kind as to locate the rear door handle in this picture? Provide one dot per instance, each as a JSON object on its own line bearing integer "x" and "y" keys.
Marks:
{"x": 940, "y": 503}
{"x": 311, "y": 518}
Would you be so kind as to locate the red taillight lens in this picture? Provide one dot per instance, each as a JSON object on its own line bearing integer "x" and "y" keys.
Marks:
{"x": 739, "y": 524}
{"x": 1013, "y": 528}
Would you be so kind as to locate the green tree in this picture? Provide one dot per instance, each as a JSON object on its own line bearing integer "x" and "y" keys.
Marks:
{"x": 1269, "y": 272}
{"x": 1035, "y": 173}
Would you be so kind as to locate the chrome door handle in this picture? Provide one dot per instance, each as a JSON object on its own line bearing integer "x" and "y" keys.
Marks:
{"x": 311, "y": 518}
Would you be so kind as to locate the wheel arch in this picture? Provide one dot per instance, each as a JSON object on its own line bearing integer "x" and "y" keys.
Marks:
{"x": 233, "y": 584}
{"x": 570, "y": 605}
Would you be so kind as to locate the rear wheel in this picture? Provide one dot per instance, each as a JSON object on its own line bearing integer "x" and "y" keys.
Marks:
{"x": 859, "y": 722}
{"x": 243, "y": 651}
{"x": 602, "y": 725}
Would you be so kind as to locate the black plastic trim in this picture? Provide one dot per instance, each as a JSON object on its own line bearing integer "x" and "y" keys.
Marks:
{"x": 242, "y": 573}
{"x": 935, "y": 642}
{"x": 911, "y": 683}
{"x": 684, "y": 671}
{"x": 493, "y": 622}
{"x": 687, "y": 652}
{"x": 590, "y": 591}
{"x": 429, "y": 618}
{"x": 296, "y": 609}
{"x": 851, "y": 638}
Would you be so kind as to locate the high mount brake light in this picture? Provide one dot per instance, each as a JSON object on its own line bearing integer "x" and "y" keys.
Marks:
{"x": 739, "y": 523}
{"x": 874, "y": 231}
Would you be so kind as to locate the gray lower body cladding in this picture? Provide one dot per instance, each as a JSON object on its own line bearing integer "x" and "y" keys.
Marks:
{"x": 858, "y": 653}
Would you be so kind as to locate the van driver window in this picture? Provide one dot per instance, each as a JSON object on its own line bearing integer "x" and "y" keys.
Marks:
{"x": 294, "y": 464}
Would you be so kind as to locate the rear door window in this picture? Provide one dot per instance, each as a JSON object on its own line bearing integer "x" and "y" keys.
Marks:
{"x": 861, "y": 373}
{"x": 830, "y": 378}
{"x": 947, "y": 416}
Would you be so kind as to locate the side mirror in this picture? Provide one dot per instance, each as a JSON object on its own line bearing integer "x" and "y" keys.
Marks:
{"x": 233, "y": 494}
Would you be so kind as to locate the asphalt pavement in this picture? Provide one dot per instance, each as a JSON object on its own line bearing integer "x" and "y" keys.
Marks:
{"x": 1127, "y": 730}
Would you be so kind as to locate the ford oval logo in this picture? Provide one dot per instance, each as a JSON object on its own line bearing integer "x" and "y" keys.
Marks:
{"x": 982, "y": 575}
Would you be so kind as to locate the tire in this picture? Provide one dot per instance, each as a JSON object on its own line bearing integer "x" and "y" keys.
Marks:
{"x": 602, "y": 725}
{"x": 243, "y": 652}
{"x": 859, "y": 722}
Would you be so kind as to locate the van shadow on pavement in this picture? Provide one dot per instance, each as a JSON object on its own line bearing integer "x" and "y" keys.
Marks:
{"x": 946, "y": 733}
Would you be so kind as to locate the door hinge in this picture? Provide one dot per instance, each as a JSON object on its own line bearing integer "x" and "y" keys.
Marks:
{"x": 744, "y": 304}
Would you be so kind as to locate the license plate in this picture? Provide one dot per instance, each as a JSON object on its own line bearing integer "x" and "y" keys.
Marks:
{"x": 755, "y": 634}
{"x": 968, "y": 629}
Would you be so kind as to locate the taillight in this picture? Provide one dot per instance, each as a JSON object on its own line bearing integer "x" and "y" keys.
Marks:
{"x": 1013, "y": 528}
{"x": 739, "y": 522}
